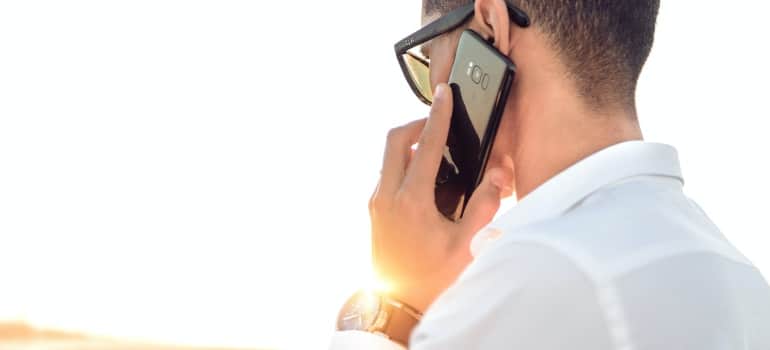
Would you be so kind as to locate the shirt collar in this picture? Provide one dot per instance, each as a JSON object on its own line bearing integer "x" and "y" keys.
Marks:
{"x": 567, "y": 188}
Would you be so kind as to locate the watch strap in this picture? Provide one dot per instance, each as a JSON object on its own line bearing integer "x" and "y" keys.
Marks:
{"x": 402, "y": 319}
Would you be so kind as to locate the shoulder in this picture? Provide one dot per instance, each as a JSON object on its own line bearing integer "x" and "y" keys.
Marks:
{"x": 621, "y": 227}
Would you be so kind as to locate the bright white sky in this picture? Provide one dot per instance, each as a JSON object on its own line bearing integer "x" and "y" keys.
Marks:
{"x": 197, "y": 171}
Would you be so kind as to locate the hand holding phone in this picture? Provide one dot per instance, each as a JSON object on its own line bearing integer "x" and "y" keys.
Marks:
{"x": 414, "y": 247}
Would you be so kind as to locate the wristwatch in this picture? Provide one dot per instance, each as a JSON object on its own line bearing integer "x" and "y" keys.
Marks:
{"x": 380, "y": 314}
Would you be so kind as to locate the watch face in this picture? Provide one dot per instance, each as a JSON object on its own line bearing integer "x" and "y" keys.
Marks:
{"x": 359, "y": 312}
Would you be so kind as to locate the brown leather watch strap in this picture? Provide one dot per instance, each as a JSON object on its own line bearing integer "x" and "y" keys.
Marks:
{"x": 401, "y": 322}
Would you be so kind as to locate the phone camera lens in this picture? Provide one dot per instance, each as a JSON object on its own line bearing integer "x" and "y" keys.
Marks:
{"x": 476, "y": 74}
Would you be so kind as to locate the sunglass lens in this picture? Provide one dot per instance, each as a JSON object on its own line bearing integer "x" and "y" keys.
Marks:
{"x": 419, "y": 71}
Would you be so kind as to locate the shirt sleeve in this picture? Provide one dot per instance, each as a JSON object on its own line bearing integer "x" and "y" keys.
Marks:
{"x": 523, "y": 296}
{"x": 357, "y": 340}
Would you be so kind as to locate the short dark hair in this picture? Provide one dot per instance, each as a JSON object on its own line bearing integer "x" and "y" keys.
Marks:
{"x": 603, "y": 43}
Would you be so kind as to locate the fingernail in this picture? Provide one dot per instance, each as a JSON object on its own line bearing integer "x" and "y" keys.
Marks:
{"x": 439, "y": 92}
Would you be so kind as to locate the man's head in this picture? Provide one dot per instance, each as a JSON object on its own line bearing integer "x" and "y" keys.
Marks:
{"x": 577, "y": 68}
{"x": 602, "y": 44}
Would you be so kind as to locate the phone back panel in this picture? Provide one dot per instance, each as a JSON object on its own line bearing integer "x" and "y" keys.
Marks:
{"x": 479, "y": 73}
{"x": 480, "y": 76}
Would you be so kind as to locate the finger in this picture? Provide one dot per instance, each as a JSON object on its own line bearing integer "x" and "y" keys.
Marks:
{"x": 485, "y": 200}
{"x": 421, "y": 173}
{"x": 398, "y": 150}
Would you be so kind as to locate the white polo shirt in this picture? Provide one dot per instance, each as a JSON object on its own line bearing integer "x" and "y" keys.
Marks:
{"x": 608, "y": 254}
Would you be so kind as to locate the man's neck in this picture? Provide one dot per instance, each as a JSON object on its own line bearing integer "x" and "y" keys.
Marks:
{"x": 562, "y": 138}
{"x": 549, "y": 126}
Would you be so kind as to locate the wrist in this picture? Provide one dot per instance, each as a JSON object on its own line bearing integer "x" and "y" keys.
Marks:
{"x": 421, "y": 294}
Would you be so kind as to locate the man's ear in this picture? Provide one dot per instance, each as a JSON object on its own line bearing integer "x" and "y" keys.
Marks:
{"x": 491, "y": 20}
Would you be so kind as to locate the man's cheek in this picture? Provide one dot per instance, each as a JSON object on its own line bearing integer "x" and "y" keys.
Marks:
{"x": 439, "y": 73}
{"x": 440, "y": 64}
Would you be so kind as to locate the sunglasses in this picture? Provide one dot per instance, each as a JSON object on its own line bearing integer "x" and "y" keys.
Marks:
{"x": 416, "y": 67}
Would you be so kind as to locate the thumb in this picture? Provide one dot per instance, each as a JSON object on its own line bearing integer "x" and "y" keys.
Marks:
{"x": 485, "y": 200}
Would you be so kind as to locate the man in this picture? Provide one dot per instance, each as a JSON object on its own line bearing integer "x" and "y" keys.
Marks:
{"x": 603, "y": 249}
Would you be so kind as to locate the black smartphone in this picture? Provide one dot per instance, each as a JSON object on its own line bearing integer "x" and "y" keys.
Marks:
{"x": 480, "y": 79}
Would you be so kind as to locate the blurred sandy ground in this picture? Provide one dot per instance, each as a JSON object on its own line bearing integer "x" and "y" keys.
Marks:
{"x": 20, "y": 336}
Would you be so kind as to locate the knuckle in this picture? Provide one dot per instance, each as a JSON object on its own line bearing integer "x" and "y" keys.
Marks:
{"x": 425, "y": 139}
{"x": 429, "y": 139}
{"x": 370, "y": 204}
{"x": 394, "y": 135}
{"x": 376, "y": 204}
{"x": 408, "y": 203}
